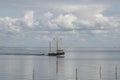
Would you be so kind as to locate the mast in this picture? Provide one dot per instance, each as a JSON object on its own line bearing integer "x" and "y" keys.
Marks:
{"x": 60, "y": 43}
{"x": 58, "y": 47}
{"x": 33, "y": 74}
{"x": 57, "y": 44}
{"x": 50, "y": 46}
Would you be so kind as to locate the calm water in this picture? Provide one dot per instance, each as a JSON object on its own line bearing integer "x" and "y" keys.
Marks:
{"x": 20, "y": 67}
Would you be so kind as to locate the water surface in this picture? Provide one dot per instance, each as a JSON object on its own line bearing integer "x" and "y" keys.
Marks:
{"x": 20, "y": 67}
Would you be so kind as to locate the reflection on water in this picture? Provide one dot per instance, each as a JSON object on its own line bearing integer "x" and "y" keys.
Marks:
{"x": 61, "y": 68}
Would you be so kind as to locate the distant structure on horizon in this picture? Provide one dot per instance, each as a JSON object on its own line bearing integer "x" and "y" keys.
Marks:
{"x": 59, "y": 51}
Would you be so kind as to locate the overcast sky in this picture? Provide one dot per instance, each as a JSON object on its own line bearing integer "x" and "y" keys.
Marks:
{"x": 80, "y": 23}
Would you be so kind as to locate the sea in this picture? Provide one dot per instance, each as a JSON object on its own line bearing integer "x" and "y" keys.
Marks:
{"x": 76, "y": 64}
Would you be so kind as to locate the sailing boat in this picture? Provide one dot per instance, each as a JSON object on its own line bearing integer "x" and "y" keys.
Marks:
{"x": 59, "y": 51}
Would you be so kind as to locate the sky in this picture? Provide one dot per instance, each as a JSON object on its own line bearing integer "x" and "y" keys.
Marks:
{"x": 79, "y": 23}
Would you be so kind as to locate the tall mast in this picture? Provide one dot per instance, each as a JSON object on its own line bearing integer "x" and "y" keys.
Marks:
{"x": 57, "y": 44}
{"x": 50, "y": 46}
{"x": 60, "y": 43}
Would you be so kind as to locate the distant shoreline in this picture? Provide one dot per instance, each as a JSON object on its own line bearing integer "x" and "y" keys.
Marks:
{"x": 23, "y": 54}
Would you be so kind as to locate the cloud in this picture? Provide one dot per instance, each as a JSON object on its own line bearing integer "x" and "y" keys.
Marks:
{"x": 29, "y": 18}
{"x": 48, "y": 15}
{"x": 66, "y": 20}
{"x": 7, "y": 25}
{"x": 63, "y": 20}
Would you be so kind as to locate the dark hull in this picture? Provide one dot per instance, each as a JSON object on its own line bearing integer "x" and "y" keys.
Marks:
{"x": 55, "y": 54}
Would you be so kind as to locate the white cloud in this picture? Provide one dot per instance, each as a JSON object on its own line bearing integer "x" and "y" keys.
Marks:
{"x": 110, "y": 23}
{"x": 29, "y": 18}
{"x": 7, "y": 25}
{"x": 48, "y": 15}
{"x": 66, "y": 20}
{"x": 13, "y": 28}
{"x": 62, "y": 21}
{"x": 83, "y": 8}
{"x": 102, "y": 19}
{"x": 87, "y": 22}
